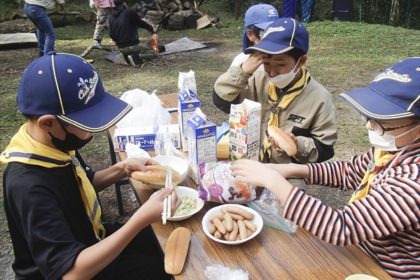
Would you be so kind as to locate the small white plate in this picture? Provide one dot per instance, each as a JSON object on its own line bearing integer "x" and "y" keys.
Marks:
{"x": 257, "y": 221}
{"x": 184, "y": 192}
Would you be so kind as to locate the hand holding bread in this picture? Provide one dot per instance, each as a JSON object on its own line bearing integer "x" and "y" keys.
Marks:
{"x": 283, "y": 140}
{"x": 155, "y": 175}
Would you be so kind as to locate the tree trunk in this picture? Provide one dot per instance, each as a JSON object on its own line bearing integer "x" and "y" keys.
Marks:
{"x": 394, "y": 12}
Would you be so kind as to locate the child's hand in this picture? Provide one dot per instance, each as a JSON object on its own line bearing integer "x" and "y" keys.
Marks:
{"x": 153, "y": 207}
{"x": 255, "y": 173}
{"x": 252, "y": 63}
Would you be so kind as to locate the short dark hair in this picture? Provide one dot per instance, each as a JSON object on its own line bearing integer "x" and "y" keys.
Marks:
{"x": 295, "y": 53}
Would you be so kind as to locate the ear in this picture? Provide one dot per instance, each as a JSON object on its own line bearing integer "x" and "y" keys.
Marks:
{"x": 46, "y": 122}
{"x": 302, "y": 60}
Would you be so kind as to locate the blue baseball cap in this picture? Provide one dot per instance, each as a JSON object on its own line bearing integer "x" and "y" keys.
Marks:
{"x": 393, "y": 94}
{"x": 69, "y": 87}
{"x": 281, "y": 36}
{"x": 261, "y": 16}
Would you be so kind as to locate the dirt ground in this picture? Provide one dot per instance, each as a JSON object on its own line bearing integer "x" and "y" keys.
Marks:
{"x": 108, "y": 199}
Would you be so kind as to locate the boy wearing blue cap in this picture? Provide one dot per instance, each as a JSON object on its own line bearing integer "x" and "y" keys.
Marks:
{"x": 257, "y": 19}
{"x": 50, "y": 194}
{"x": 290, "y": 98}
{"x": 383, "y": 214}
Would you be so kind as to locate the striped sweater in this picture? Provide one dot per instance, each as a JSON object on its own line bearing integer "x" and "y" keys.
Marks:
{"x": 385, "y": 223}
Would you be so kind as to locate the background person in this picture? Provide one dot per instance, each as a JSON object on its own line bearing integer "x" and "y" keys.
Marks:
{"x": 50, "y": 194}
{"x": 103, "y": 11}
{"x": 123, "y": 25}
{"x": 290, "y": 97}
{"x": 36, "y": 11}
{"x": 383, "y": 214}
{"x": 257, "y": 19}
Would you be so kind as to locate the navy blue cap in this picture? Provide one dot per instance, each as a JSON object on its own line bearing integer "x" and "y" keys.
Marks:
{"x": 393, "y": 94}
{"x": 281, "y": 36}
{"x": 69, "y": 87}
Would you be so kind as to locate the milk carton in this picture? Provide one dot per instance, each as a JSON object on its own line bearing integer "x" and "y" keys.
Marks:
{"x": 201, "y": 143}
{"x": 187, "y": 103}
{"x": 244, "y": 130}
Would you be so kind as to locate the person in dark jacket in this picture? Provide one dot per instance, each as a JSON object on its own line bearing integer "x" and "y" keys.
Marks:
{"x": 123, "y": 25}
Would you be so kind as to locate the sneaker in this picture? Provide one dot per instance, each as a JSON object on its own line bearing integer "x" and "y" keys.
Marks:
{"x": 134, "y": 59}
{"x": 97, "y": 45}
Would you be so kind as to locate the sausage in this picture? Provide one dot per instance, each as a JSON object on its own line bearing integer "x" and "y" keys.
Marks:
{"x": 250, "y": 225}
{"x": 236, "y": 210}
{"x": 242, "y": 229}
{"x": 228, "y": 222}
{"x": 234, "y": 233}
{"x": 219, "y": 225}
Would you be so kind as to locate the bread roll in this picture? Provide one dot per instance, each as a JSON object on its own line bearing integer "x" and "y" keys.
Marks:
{"x": 283, "y": 140}
{"x": 155, "y": 175}
{"x": 176, "y": 250}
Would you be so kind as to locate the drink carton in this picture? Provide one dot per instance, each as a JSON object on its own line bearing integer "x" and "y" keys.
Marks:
{"x": 187, "y": 103}
{"x": 244, "y": 130}
{"x": 201, "y": 143}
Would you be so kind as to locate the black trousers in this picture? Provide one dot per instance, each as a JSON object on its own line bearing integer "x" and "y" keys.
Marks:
{"x": 141, "y": 259}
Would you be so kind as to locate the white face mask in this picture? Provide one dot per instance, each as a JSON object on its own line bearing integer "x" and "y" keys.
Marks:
{"x": 283, "y": 80}
{"x": 386, "y": 142}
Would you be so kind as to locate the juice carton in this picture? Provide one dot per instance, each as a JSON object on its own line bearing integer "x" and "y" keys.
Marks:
{"x": 201, "y": 143}
{"x": 187, "y": 103}
{"x": 244, "y": 130}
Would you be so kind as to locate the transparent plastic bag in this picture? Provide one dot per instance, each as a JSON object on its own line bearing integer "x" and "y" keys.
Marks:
{"x": 164, "y": 145}
{"x": 269, "y": 207}
{"x": 147, "y": 110}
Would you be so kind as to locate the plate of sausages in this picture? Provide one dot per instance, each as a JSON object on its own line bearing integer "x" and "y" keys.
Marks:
{"x": 232, "y": 224}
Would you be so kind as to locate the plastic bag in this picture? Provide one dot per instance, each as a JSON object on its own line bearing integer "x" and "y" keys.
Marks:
{"x": 220, "y": 272}
{"x": 269, "y": 207}
{"x": 134, "y": 151}
{"x": 164, "y": 145}
{"x": 186, "y": 81}
{"x": 218, "y": 184}
{"x": 147, "y": 110}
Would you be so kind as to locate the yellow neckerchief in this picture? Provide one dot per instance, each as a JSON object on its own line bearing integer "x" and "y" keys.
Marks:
{"x": 24, "y": 149}
{"x": 289, "y": 94}
{"x": 379, "y": 161}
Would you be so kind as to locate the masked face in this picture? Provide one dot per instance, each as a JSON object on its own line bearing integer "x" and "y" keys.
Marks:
{"x": 283, "y": 80}
{"x": 70, "y": 143}
{"x": 387, "y": 142}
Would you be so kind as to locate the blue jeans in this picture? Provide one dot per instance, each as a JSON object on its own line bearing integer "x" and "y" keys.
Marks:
{"x": 45, "y": 32}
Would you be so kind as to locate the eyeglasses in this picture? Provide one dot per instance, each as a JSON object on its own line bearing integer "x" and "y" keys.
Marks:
{"x": 377, "y": 126}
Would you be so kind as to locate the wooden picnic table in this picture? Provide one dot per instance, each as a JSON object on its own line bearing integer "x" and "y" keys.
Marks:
{"x": 273, "y": 254}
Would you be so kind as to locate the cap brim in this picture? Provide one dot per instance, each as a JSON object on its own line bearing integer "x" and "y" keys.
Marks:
{"x": 99, "y": 117}
{"x": 263, "y": 25}
{"x": 373, "y": 105}
{"x": 268, "y": 47}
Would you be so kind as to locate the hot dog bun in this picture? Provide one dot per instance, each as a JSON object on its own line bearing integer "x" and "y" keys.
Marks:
{"x": 283, "y": 140}
{"x": 176, "y": 250}
{"x": 155, "y": 175}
